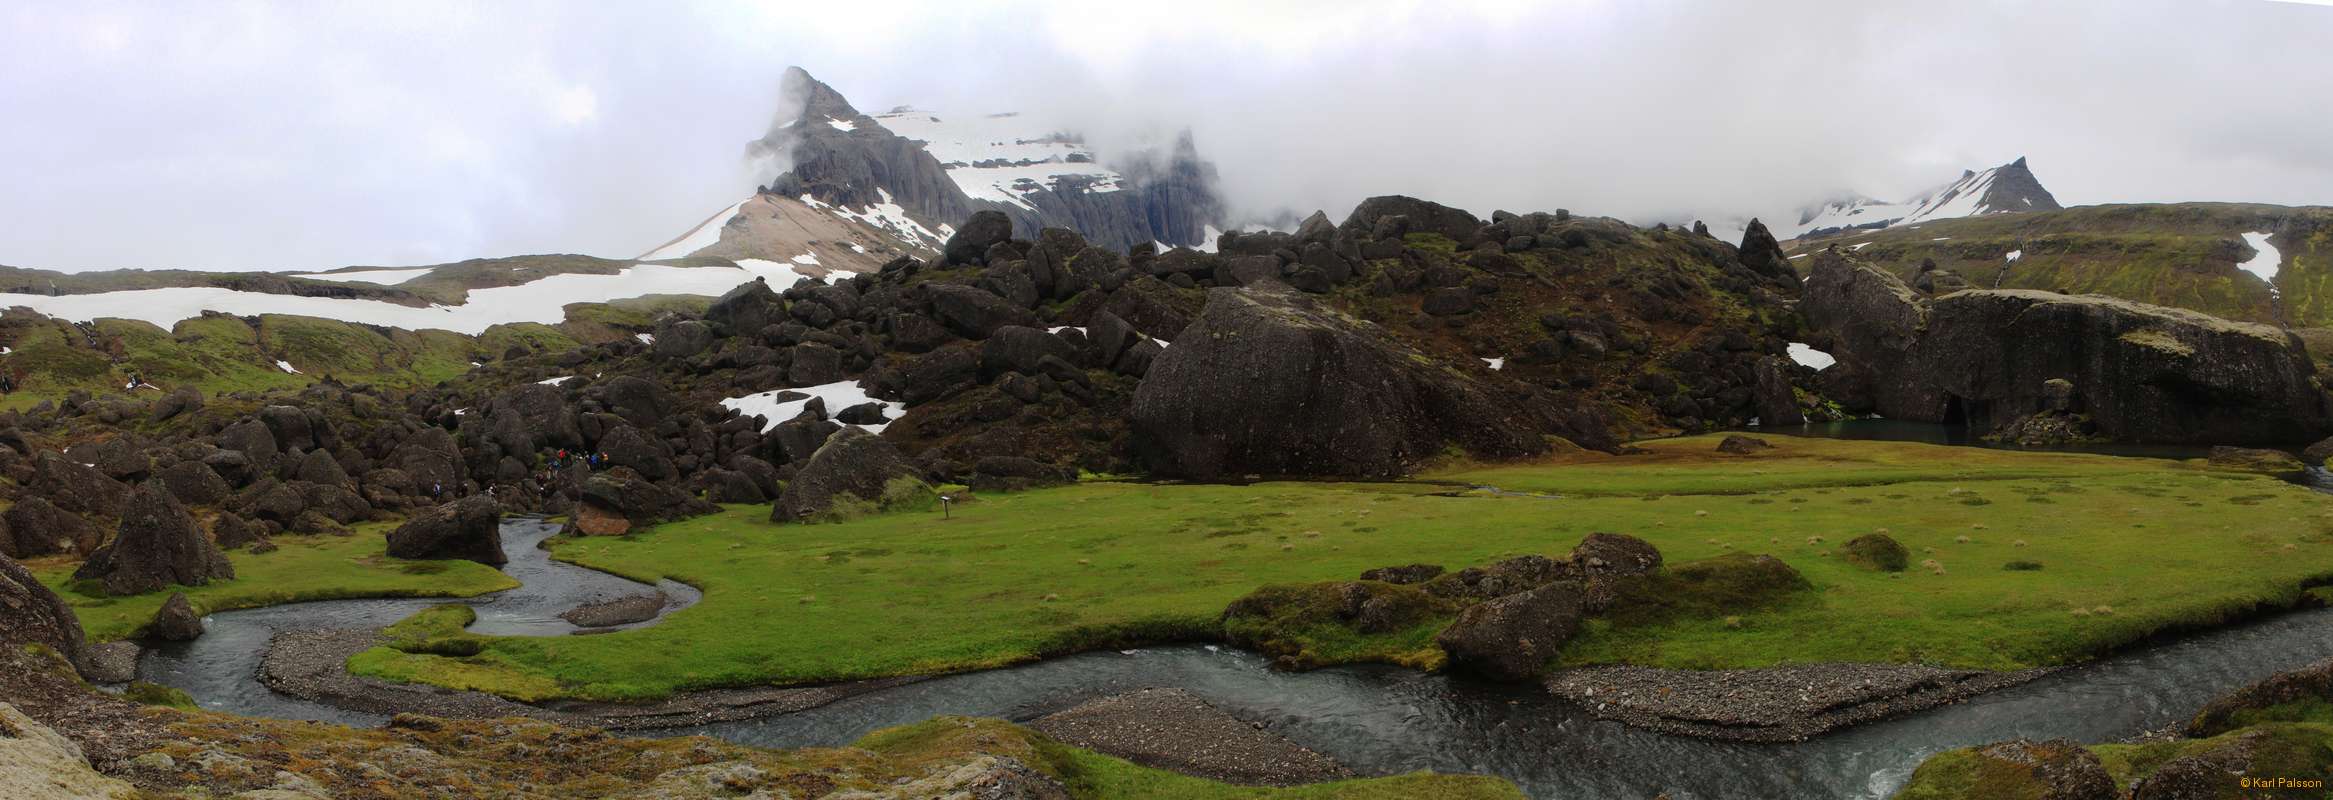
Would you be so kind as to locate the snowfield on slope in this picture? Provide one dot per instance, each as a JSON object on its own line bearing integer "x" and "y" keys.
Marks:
{"x": 544, "y": 301}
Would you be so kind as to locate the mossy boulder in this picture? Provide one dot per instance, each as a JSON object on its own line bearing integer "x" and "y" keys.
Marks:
{"x": 2014, "y": 770}
{"x": 1877, "y": 552}
{"x": 1305, "y": 625}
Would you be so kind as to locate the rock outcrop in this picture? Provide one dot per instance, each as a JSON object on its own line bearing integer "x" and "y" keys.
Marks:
{"x": 158, "y": 545}
{"x": 1513, "y": 637}
{"x": 1267, "y": 381}
{"x": 39, "y": 764}
{"x": 1988, "y": 358}
{"x": 853, "y": 468}
{"x": 469, "y": 528}
{"x": 30, "y": 614}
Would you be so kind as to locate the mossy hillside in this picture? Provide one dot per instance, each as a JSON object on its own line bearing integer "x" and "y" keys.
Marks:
{"x": 2182, "y": 255}
{"x": 302, "y": 568}
{"x": 2134, "y": 547}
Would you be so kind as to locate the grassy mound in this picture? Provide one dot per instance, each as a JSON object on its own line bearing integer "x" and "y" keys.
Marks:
{"x": 1315, "y": 625}
{"x": 1875, "y": 551}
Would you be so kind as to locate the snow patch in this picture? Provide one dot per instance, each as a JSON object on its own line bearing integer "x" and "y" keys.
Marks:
{"x": 1859, "y": 245}
{"x": 556, "y": 381}
{"x": 2265, "y": 258}
{"x": 286, "y": 366}
{"x": 2014, "y": 255}
{"x": 1496, "y": 363}
{"x": 843, "y": 125}
{"x": 837, "y": 396}
{"x": 384, "y": 277}
{"x": 1806, "y": 355}
{"x": 645, "y": 338}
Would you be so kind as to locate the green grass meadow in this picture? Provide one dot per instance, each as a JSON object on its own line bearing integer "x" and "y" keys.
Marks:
{"x": 2126, "y": 547}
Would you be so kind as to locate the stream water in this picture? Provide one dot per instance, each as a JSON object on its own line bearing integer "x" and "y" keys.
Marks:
{"x": 1378, "y": 720}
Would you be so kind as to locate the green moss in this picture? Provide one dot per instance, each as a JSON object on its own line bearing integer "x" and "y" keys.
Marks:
{"x": 155, "y": 694}
{"x": 437, "y": 630}
{"x": 1312, "y": 625}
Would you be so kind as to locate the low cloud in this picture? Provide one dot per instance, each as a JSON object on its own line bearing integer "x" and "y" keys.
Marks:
{"x": 300, "y": 135}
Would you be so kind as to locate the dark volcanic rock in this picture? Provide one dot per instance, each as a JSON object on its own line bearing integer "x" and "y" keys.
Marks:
{"x": 1777, "y": 401}
{"x": 74, "y": 487}
{"x": 972, "y": 312}
{"x": 158, "y": 545}
{"x": 971, "y": 242}
{"x": 194, "y": 483}
{"x": 616, "y": 500}
{"x": 1986, "y": 358}
{"x": 747, "y": 309}
{"x": 175, "y": 621}
{"x": 851, "y": 464}
{"x": 469, "y": 528}
{"x": 1405, "y": 574}
{"x": 1422, "y": 217}
{"x": 1270, "y": 382}
{"x": 38, "y": 528}
{"x": 1740, "y": 445}
{"x": 1761, "y": 253}
{"x": 1512, "y": 638}
{"x": 31, "y": 614}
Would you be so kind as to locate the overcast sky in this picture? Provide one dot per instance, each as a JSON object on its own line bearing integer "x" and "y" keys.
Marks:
{"x": 279, "y": 135}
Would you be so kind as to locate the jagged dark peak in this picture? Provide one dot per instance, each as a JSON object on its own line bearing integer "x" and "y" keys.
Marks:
{"x": 820, "y": 102}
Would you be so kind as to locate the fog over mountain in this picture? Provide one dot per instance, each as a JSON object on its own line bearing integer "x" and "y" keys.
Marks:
{"x": 288, "y": 136}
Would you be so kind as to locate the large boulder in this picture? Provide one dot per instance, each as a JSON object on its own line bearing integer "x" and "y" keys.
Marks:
{"x": 38, "y": 527}
{"x": 194, "y": 483}
{"x": 533, "y": 417}
{"x": 258, "y": 446}
{"x": 970, "y": 243}
{"x": 31, "y": 614}
{"x": 853, "y": 469}
{"x": 175, "y": 621}
{"x": 1015, "y": 348}
{"x": 158, "y": 545}
{"x": 1776, "y": 399}
{"x": 1603, "y": 554}
{"x": 76, "y": 488}
{"x": 1763, "y": 254}
{"x": 1513, "y": 637}
{"x": 469, "y": 528}
{"x": 1268, "y": 381}
{"x": 615, "y": 501}
{"x": 626, "y": 446}
{"x": 320, "y": 467}
{"x": 972, "y": 312}
{"x": 747, "y": 309}
{"x": 1421, "y": 216}
{"x": 1988, "y": 357}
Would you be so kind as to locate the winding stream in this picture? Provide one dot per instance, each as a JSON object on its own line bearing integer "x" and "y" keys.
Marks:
{"x": 1378, "y": 720}
{"x": 221, "y": 669}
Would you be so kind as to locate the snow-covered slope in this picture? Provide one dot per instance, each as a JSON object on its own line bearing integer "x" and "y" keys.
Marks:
{"x": 543, "y": 300}
{"x": 1004, "y": 157}
{"x": 2007, "y": 188}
